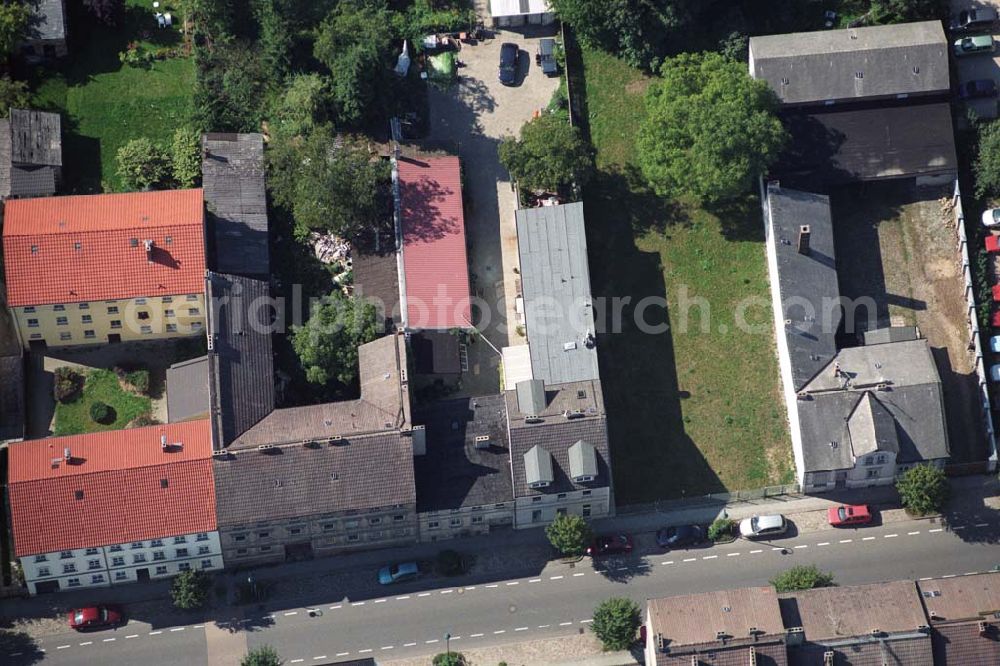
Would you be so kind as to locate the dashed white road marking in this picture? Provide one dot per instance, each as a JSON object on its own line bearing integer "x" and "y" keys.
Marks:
{"x": 198, "y": 626}
{"x": 447, "y": 591}
{"x": 177, "y": 629}
{"x": 357, "y": 603}
{"x": 823, "y": 543}
{"x": 981, "y": 525}
{"x": 475, "y": 635}
{"x": 344, "y": 654}
{"x": 318, "y": 657}
{"x": 667, "y": 562}
{"x": 802, "y": 546}
{"x": 868, "y": 539}
{"x": 691, "y": 559}
{"x": 586, "y": 621}
{"x": 754, "y": 552}
{"x": 495, "y": 585}
{"x": 155, "y": 633}
{"x": 341, "y": 606}
{"x": 424, "y": 594}
{"x": 939, "y": 529}
{"x": 544, "y": 626}
{"x": 578, "y": 574}
{"x": 777, "y": 548}
{"x": 550, "y": 578}
{"x": 732, "y": 554}
{"x": 408, "y": 644}
{"x": 132, "y": 636}
{"x": 565, "y": 624}
{"x": 62, "y": 647}
{"x": 296, "y": 612}
{"x": 382, "y": 601}
{"x": 296, "y": 661}
{"x": 431, "y": 642}
{"x": 365, "y": 651}
{"x": 890, "y": 536}
{"x": 109, "y": 640}
{"x": 500, "y": 631}
{"x": 521, "y": 629}
{"x": 912, "y": 533}
{"x": 86, "y": 643}
{"x": 513, "y": 582}
{"x": 959, "y": 527}
{"x": 387, "y": 647}
{"x": 710, "y": 557}
{"x": 402, "y": 598}
{"x": 535, "y": 580}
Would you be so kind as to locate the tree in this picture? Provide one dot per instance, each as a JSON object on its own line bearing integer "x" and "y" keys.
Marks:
{"x": 142, "y": 164}
{"x": 986, "y": 166}
{"x": 449, "y": 659}
{"x": 106, "y": 11}
{"x": 14, "y": 17}
{"x": 186, "y": 156}
{"x": 616, "y": 622}
{"x": 802, "y": 577}
{"x": 14, "y": 94}
{"x": 262, "y": 655}
{"x": 190, "y": 589}
{"x": 101, "y": 412}
{"x": 232, "y": 86}
{"x": 327, "y": 345}
{"x": 569, "y": 534}
{"x": 301, "y": 106}
{"x": 710, "y": 129}
{"x": 550, "y": 155}
{"x": 923, "y": 489}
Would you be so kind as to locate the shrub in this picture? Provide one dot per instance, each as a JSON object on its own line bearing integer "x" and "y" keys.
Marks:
{"x": 139, "y": 380}
{"x": 449, "y": 563}
{"x": 262, "y": 655}
{"x": 803, "y": 577}
{"x": 616, "y": 622}
{"x": 569, "y": 534}
{"x": 67, "y": 384}
{"x": 142, "y": 164}
{"x": 190, "y": 589}
{"x": 102, "y": 412}
{"x": 136, "y": 56}
{"x": 142, "y": 421}
{"x": 923, "y": 489}
{"x": 721, "y": 528}
{"x": 449, "y": 659}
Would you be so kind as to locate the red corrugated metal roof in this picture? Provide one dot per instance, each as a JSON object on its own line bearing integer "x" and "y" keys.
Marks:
{"x": 88, "y": 248}
{"x": 435, "y": 264}
{"x": 132, "y": 489}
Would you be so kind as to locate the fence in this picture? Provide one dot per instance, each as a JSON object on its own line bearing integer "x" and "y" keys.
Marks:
{"x": 976, "y": 341}
{"x": 716, "y": 499}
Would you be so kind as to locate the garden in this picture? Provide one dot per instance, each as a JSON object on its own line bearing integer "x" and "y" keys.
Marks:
{"x": 97, "y": 399}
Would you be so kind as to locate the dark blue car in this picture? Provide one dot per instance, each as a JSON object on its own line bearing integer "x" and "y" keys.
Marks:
{"x": 508, "y": 63}
{"x": 978, "y": 88}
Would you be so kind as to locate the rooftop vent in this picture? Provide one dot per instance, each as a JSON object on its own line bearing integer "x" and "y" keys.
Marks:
{"x": 983, "y": 628}
{"x": 532, "y": 418}
{"x": 569, "y": 346}
{"x": 336, "y": 439}
{"x": 834, "y": 444}
{"x": 482, "y": 441}
{"x": 753, "y": 631}
{"x": 55, "y": 462}
{"x": 78, "y": 494}
{"x": 581, "y": 395}
{"x": 784, "y": 80}
{"x": 805, "y": 232}
{"x": 575, "y": 414}
{"x": 721, "y": 636}
{"x": 220, "y": 453}
{"x": 828, "y": 658}
{"x": 882, "y": 386}
{"x": 859, "y": 75}
{"x": 265, "y": 447}
{"x": 164, "y": 483}
{"x": 876, "y": 632}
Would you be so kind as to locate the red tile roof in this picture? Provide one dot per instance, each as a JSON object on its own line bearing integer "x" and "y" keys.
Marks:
{"x": 435, "y": 265}
{"x": 88, "y": 248}
{"x": 132, "y": 489}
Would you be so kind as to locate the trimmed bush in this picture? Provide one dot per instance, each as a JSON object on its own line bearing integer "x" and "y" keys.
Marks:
{"x": 67, "y": 384}
{"x": 923, "y": 489}
{"x": 190, "y": 589}
{"x": 720, "y": 529}
{"x": 102, "y": 412}
{"x": 449, "y": 659}
{"x": 139, "y": 380}
{"x": 803, "y": 577}
{"x": 569, "y": 534}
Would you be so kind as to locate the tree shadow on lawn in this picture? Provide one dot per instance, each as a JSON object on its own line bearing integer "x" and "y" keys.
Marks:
{"x": 653, "y": 458}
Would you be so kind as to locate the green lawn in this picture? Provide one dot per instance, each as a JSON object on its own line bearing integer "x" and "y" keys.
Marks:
{"x": 690, "y": 411}
{"x": 105, "y": 104}
{"x": 102, "y": 385}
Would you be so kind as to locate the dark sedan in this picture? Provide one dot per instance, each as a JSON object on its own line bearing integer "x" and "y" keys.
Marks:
{"x": 680, "y": 536}
{"x": 610, "y": 544}
{"x": 978, "y": 88}
{"x": 508, "y": 63}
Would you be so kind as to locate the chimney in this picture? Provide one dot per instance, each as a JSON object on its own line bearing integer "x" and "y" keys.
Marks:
{"x": 804, "y": 233}
{"x": 148, "y": 245}
{"x": 983, "y": 628}
{"x": 828, "y": 658}
{"x": 67, "y": 455}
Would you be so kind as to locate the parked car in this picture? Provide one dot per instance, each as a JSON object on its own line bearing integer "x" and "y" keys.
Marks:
{"x": 397, "y": 573}
{"x": 610, "y": 544}
{"x": 546, "y": 57}
{"x": 977, "y": 89}
{"x": 95, "y": 617}
{"x": 509, "y": 56}
{"x": 973, "y": 45}
{"x": 995, "y": 344}
{"x": 991, "y": 218}
{"x": 995, "y": 371}
{"x": 973, "y": 19}
{"x": 680, "y": 536}
{"x": 759, "y": 527}
{"x": 846, "y": 515}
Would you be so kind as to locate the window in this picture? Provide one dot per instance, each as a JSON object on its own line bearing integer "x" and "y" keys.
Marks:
{"x": 194, "y": 312}
{"x": 159, "y": 555}
{"x": 375, "y": 521}
{"x": 118, "y": 561}
{"x": 561, "y": 512}
{"x": 168, "y": 313}
{"x": 180, "y": 539}
{"x": 41, "y": 558}
{"x": 121, "y": 575}
{"x": 202, "y": 536}
{"x": 143, "y": 315}
{"x": 873, "y": 474}
{"x": 77, "y": 245}
{"x": 146, "y": 330}
{"x": 206, "y": 564}
{"x": 433, "y": 525}
{"x": 184, "y": 566}
{"x": 265, "y": 549}
{"x": 66, "y": 554}
{"x": 295, "y": 530}
{"x": 87, "y": 319}
{"x": 192, "y": 297}
{"x": 59, "y": 307}
{"x": 196, "y": 326}
{"x": 84, "y": 306}
{"x": 65, "y": 336}
{"x": 69, "y": 568}
{"x": 73, "y": 582}
{"x": 32, "y": 323}
{"x": 140, "y": 301}
{"x": 136, "y": 545}
{"x": 239, "y": 537}
{"x": 138, "y": 558}
{"x": 43, "y": 571}
{"x": 561, "y": 496}
{"x": 352, "y": 523}
{"x": 398, "y": 519}
{"x": 89, "y": 335}
{"x": 536, "y": 516}
{"x": 133, "y": 242}
{"x": 352, "y": 537}
{"x": 499, "y": 506}
{"x": 36, "y": 336}
{"x": 476, "y": 520}
{"x": 167, "y": 299}
{"x": 456, "y": 522}
{"x": 116, "y": 323}
{"x": 536, "y": 498}
{"x": 93, "y": 564}
{"x": 241, "y": 551}
{"x": 28, "y": 309}
{"x": 156, "y": 543}
{"x": 880, "y": 459}
{"x": 204, "y": 550}
{"x": 96, "y": 579}
{"x": 115, "y": 549}
{"x": 263, "y": 535}
{"x": 586, "y": 510}
{"x": 62, "y": 321}
{"x": 869, "y": 460}
{"x": 329, "y": 527}
{"x": 112, "y": 309}
{"x": 181, "y": 552}
{"x": 586, "y": 493}
{"x": 171, "y": 328}
{"x": 161, "y": 570}
{"x": 168, "y": 240}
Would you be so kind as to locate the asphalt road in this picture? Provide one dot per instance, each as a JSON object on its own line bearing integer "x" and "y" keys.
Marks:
{"x": 413, "y": 620}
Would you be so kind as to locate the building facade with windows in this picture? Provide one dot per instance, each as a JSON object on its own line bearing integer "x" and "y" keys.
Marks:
{"x": 106, "y": 268}
{"x": 114, "y": 507}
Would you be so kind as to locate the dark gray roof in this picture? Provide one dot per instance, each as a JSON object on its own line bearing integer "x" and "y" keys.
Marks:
{"x": 233, "y": 173}
{"x": 454, "y": 473}
{"x": 807, "y": 283}
{"x": 555, "y": 283}
{"x": 812, "y": 67}
{"x": 187, "y": 390}
{"x": 384, "y": 404}
{"x": 376, "y": 278}
{"x": 354, "y": 473}
{"x": 835, "y": 147}
{"x": 585, "y": 398}
{"x": 880, "y": 336}
{"x": 48, "y": 20}
{"x": 898, "y": 380}
{"x": 241, "y": 364}
{"x": 436, "y": 352}
{"x": 11, "y": 397}
{"x": 4, "y": 158}
{"x": 32, "y": 181}
{"x": 36, "y": 138}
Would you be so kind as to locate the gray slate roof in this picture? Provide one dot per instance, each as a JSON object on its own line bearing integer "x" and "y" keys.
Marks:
{"x": 555, "y": 281}
{"x": 890, "y": 334}
{"x": 241, "y": 365}
{"x": 376, "y": 278}
{"x": 36, "y": 138}
{"x": 908, "y": 58}
{"x": 911, "y": 397}
{"x": 12, "y": 407}
{"x": 835, "y": 147}
{"x": 355, "y": 473}
{"x": 807, "y": 282}
{"x": 187, "y": 390}
{"x": 48, "y": 20}
{"x": 384, "y": 404}
{"x": 453, "y": 473}
{"x": 233, "y": 173}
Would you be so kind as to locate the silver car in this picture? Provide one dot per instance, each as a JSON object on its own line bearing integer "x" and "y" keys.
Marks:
{"x": 759, "y": 527}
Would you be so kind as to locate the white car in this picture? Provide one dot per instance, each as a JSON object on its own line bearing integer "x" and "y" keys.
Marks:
{"x": 995, "y": 373}
{"x": 759, "y": 527}
{"x": 995, "y": 344}
{"x": 991, "y": 218}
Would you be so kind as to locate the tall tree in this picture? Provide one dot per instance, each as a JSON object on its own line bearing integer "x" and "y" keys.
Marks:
{"x": 14, "y": 17}
{"x": 710, "y": 129}
{"x": 106, "y": 11}
{"x": 142, "y": 164}
{"x": 549, "y": 155}
{"x": 301, "y": 106}
{"x": 616, "y": 623}
{"x": 327, "y": 345}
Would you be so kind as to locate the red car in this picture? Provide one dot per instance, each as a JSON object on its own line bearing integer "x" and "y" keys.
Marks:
{"x": 94, "y": 617}
{"x": 614, "y": 544}
{"x": 848, "y": 514}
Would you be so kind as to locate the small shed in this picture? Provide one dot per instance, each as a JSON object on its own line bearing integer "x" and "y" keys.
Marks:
{"x": 514, "y": 13}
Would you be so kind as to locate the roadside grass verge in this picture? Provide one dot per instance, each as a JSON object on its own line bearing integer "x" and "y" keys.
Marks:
{"x": 695, "y": 408}
{"x": 73, "y": 418}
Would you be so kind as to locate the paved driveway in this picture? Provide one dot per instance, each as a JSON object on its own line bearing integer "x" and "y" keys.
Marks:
{"x": 973, "y": 67}
{"x": 473, "y": 115}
